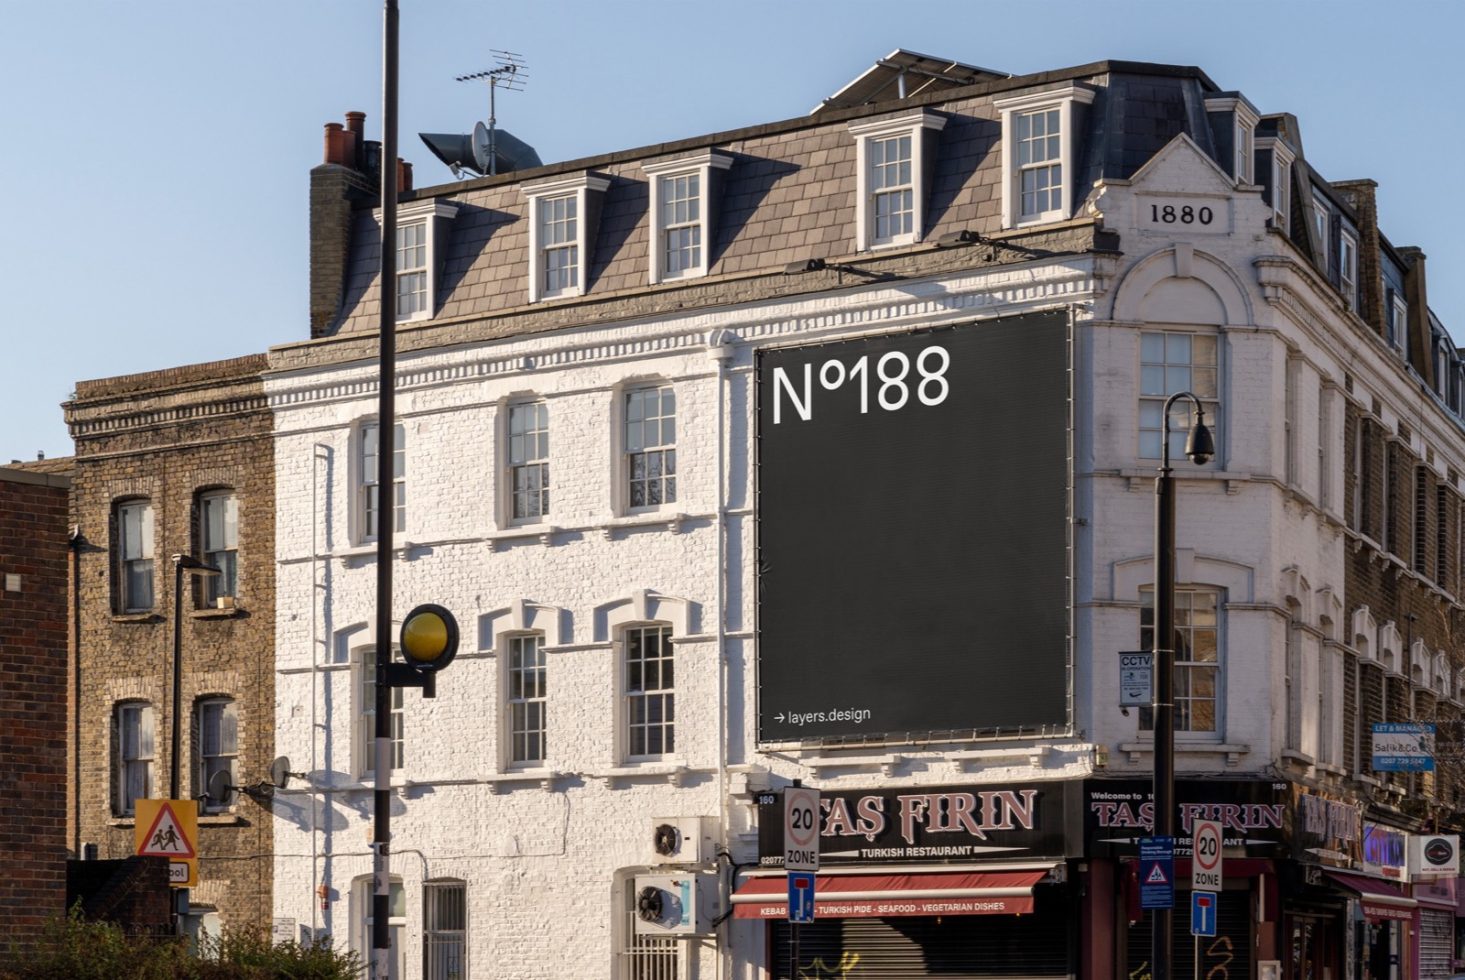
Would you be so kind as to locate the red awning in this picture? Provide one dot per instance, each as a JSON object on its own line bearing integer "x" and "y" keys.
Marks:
{"x": 871, "y": 896}
{"x": 1381, "y": 901}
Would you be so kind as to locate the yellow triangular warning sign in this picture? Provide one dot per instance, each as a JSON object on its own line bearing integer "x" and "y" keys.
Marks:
{"x": 165, "y": 837}
{"x": 1156, "y": 876}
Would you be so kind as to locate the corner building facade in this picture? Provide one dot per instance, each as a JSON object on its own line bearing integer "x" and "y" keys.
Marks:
{"x": 824, "y": 451}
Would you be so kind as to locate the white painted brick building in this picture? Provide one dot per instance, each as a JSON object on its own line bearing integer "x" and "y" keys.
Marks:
{"x": 547, "y": 851}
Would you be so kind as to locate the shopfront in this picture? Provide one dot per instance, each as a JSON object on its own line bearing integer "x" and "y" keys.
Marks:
{"x": 1116, "y": 933}
{"x": 949, "y": 881}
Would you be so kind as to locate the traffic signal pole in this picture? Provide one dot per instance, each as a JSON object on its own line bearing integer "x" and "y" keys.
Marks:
{"x": 386, "y": 509}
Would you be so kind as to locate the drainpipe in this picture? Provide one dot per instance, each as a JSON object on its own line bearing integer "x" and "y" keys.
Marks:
{"x": 722, "y": 351}
{"x": 74, "y": 542}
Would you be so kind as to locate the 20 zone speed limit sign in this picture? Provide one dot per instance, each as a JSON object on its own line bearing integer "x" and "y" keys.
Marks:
{"x": 1205, "y": 856}
{"x": 800, "y": 829}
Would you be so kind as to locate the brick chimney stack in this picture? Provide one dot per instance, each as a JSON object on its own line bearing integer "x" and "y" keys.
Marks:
{"x": 342, "y": 179}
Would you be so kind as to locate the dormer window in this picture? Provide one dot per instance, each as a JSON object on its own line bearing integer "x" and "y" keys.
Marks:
{"x": 1348, "y": 269}
{"x": 564, "y": 214}
{"x": 1243, "y": 119}
{"x": 422, "y": 231}
{"x": 895, "y": 158}
{"x": 1038, "y": 133}
{"x": 1279, "y": 181}
{"x": 1399, "y": 323}
{"x": 685, "y": 194}
{"x": 1321, "y": 224}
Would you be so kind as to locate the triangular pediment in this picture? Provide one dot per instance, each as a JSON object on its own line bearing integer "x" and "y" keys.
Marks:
{"x": 1183, "y": 167}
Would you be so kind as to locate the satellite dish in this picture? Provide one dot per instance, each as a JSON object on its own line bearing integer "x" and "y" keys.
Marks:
{"x": 482, "y": 150}
{"x": 220, "y": 791}
{"x": 280, "y": 772}
{"x": 470, "y": 151}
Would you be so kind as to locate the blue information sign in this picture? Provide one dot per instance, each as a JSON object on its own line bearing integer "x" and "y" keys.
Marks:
{"x": 800, "y": 897}
{"x": 1157, "y": 873}
{"x": 1202, "y": 913}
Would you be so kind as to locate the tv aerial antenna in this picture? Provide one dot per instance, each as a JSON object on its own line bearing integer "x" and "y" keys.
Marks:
{"x": 509, "y": 74}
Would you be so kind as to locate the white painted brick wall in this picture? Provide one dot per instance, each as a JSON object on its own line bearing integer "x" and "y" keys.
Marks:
{"x": 542, "y": 864}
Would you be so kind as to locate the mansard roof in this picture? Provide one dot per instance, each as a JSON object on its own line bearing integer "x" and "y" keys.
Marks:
{"x": 789, "y": 195}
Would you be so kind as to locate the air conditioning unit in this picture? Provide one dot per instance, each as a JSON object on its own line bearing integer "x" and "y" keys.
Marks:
{"x": 672, "y": 905}
{"x": 682, "y": 840}
{"x": 1434, "y": 855}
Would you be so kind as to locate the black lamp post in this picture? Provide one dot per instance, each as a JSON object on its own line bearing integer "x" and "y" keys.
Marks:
{"x": 1200, "y": 447}
{"x": 181, "y": 563}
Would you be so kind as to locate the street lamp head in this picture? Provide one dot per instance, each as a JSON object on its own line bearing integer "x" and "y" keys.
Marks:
{"x": 195, "y": 566}
{"x": 1200, "y": 445}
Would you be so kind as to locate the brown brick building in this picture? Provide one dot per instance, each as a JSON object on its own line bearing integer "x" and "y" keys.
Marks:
{"x": 33, "y": 632}
{"x": 171, "y": 463}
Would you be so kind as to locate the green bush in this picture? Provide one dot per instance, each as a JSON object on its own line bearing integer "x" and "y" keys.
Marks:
{"x": 73, "y": 948}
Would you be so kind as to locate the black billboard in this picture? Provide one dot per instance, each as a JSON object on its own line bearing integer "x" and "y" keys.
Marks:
{"x": 934, "y": 824}
{"x": 912, "y": 533}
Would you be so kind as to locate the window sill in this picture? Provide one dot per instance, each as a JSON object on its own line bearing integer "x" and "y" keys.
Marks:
{"x": 221, "y": 820}
{"x": 1233, "y": 751}
{"x": 137, "y": 617}
{"x": 121, "y": 822}
{"x": 667, "y": 771}
{"x": 368, "y": 550}
{"x": 229, "y": 613}
{"x": 653, "y": 518}
{"x": 546, "y": 778}
{"x": 516, "y": 532}
{"x": 1144, "y": 479}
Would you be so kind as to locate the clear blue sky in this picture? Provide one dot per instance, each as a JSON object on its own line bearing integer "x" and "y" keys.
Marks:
{"x": 155, "y": 155}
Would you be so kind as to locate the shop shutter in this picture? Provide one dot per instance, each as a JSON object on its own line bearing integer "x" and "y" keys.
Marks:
{"x": 953, "y": 947}
{"x": 1436, "y": 944}
{"x": 1226, "y": 956}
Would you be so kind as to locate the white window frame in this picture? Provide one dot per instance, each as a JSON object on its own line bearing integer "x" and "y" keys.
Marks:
{"x": 659, "y": 174}
{"x": 1244, "y": 121}
{"x": 913, "y": 125}
{"x": 362, "y": 901}
{"x": 135, "y": 552}
{"x": 451, "y": 944}
{"x": 129, "y": 752}
{"x": 219, "y": 545}
{"x": 579, "y": 187}
{"x": 1184, "y": 603}
{"x": 1348, "y": 268}
{"x": 536, "y": 698}
{"x": 664, "y": 452}
{"x": 426, "y": 214}
{"x": 526, "y": 454}
{"x": 1322, "y": 226}
{"x": 1399, "y": 324}
{"x": 634, "y": 691}
{"x": 1065, "y": 99}
{"x": 1282, "y": 157}
{"x": 363, "y": 693}
{"x": 1181, "y": 411}
{"x": 219, "y": 752}
{"x": 365, "y": 468}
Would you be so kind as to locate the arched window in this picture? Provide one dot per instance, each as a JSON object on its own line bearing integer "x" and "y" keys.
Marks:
{"x": 445, "y": 929}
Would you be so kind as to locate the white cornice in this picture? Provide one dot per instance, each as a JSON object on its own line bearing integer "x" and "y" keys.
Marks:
{"x": 875, "y": 309}
{"x": 1029, "y": 100}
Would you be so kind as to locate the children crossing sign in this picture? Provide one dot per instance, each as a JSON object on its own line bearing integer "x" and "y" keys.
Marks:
{"x": 169, "y": 829}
